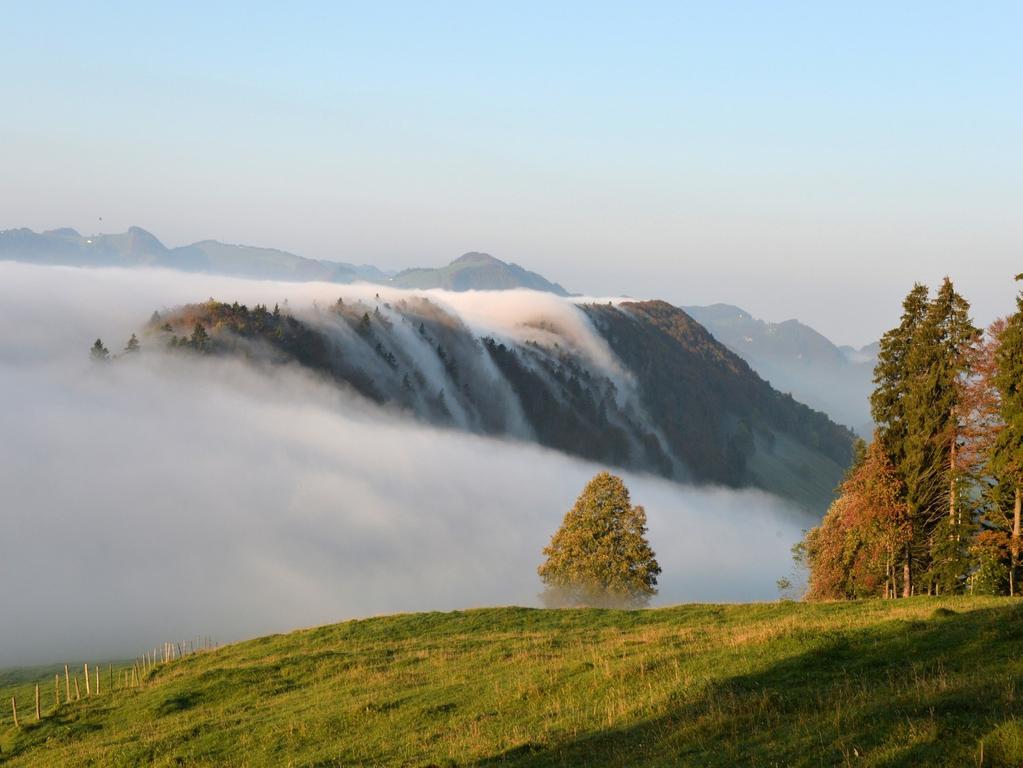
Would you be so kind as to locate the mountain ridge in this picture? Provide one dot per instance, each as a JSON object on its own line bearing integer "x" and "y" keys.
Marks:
{"x": 138, "y": 247}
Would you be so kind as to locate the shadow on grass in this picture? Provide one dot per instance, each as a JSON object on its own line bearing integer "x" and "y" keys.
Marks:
{"x": 903, "y": 693}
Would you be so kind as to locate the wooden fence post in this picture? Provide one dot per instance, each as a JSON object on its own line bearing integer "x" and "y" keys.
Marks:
{"x": 97, "y": 679}
{"x": 56, "y": 691}
{"x": 14, "y": 709}
{"x": 38, "y": 715}
{"x": 78, "y": 691}
{"x": 88, "y": 688}
{"x": 67, "y": 684}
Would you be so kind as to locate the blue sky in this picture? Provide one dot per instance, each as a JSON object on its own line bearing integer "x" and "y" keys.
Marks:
{"x": 798, "y": 159}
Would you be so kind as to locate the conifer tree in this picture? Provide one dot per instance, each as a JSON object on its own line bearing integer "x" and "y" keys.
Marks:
{"x": 1006, "y": 457}
{"x": 891, "y": 374}
{"x": 132, "y": 345}
{"x": 920, "y": 377}
{"x": 937, "y": 363}
{"x": 200, "y": 340}
{"x": 892, "y": 377}
{"x": 99, "y": 352}
{"x": 600, "y": 556}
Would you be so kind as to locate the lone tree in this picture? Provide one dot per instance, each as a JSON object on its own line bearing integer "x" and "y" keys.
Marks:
{"x": 599, "y": 556}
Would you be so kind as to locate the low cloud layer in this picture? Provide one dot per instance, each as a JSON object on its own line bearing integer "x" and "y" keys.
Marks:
{"x": 159, "y": 497}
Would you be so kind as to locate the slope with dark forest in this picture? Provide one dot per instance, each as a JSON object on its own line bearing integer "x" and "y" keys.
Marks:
{"x": 674, "y": 402}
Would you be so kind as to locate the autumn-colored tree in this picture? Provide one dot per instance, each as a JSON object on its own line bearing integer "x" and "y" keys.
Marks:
{"x": 990, "y": 548}
{"x": 857, "y": 549}
{"x": 600, "y": 556}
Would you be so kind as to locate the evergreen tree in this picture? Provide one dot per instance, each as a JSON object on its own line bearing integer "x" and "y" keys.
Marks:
{"x": 600, "y": 556}
{"x": 920, "y": 378}
{"x": 937, "y": 363}
{"x": 99, "y": 352}
{"x": 892, "y": 377}
{"x": 132, "y": 345}
{"x": 891, "y": 374}
{"x": 200, "y": 340}
{"x": 1006, "y": 457}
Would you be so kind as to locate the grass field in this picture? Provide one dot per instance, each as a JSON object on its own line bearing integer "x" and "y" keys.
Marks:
{"x": 924, "y": 681}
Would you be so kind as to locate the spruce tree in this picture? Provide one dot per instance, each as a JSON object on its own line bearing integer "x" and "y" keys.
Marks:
{"x": 892, "y": 377}
{"x": 1006, "y": 458}
{"x": 99, "y": 352}
{"x": 200, "y": 340}
{"x": 132, "y": 345}
{"x": 937, "y": 364}
{"x": 920, "y": 377}
{"x": 600, "y": 556}
{"x": 891, "y": 374}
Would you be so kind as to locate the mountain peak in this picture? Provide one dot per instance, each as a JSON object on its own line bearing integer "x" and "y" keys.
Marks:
{"x": 475, "y": 271}
{"x": 476, "y": 258}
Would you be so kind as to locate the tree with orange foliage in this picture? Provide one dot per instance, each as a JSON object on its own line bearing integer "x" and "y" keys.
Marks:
{"x": 856, "y": 550}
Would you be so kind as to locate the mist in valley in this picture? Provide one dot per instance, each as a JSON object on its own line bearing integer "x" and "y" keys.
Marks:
{"x": 165, "y": 496}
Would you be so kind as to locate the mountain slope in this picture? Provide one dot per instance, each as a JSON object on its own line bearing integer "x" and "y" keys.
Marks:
{"x": 476, "y": 271}
{"x": 795, "y": 358}
{"x": 792, "y": 684}
{"x": 665, "y": 396}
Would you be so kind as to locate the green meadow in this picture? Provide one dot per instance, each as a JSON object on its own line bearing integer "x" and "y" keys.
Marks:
{"x": 922, "y": 681}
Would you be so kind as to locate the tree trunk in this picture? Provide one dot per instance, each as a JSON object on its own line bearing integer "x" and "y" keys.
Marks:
{"x": 907, "y": 583}
{"x": 1015, "y": 539}
{"x": 952, "y": 479}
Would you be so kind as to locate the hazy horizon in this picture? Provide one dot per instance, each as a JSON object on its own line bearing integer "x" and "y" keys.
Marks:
{"x": 983, "y": 314}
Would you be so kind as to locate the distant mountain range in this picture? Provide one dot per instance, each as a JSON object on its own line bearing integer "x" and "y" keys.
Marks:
{"x": 139, "y": 248}
{"x": 792, "y": 356}
{"x": 675, "y": 402}
{"x": 795, "y": 358}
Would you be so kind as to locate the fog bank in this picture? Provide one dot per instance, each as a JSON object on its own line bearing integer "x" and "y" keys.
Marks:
{"x": 155, "y": 498}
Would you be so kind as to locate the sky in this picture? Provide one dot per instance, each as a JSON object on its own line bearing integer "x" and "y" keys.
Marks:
{"x": 806, "y": 160}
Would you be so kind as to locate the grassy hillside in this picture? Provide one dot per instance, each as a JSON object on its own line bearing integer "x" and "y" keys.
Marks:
{"x": 924, "y": 681}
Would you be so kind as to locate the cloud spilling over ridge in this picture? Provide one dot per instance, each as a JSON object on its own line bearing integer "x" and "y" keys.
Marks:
{"x": 150, "y": 499}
